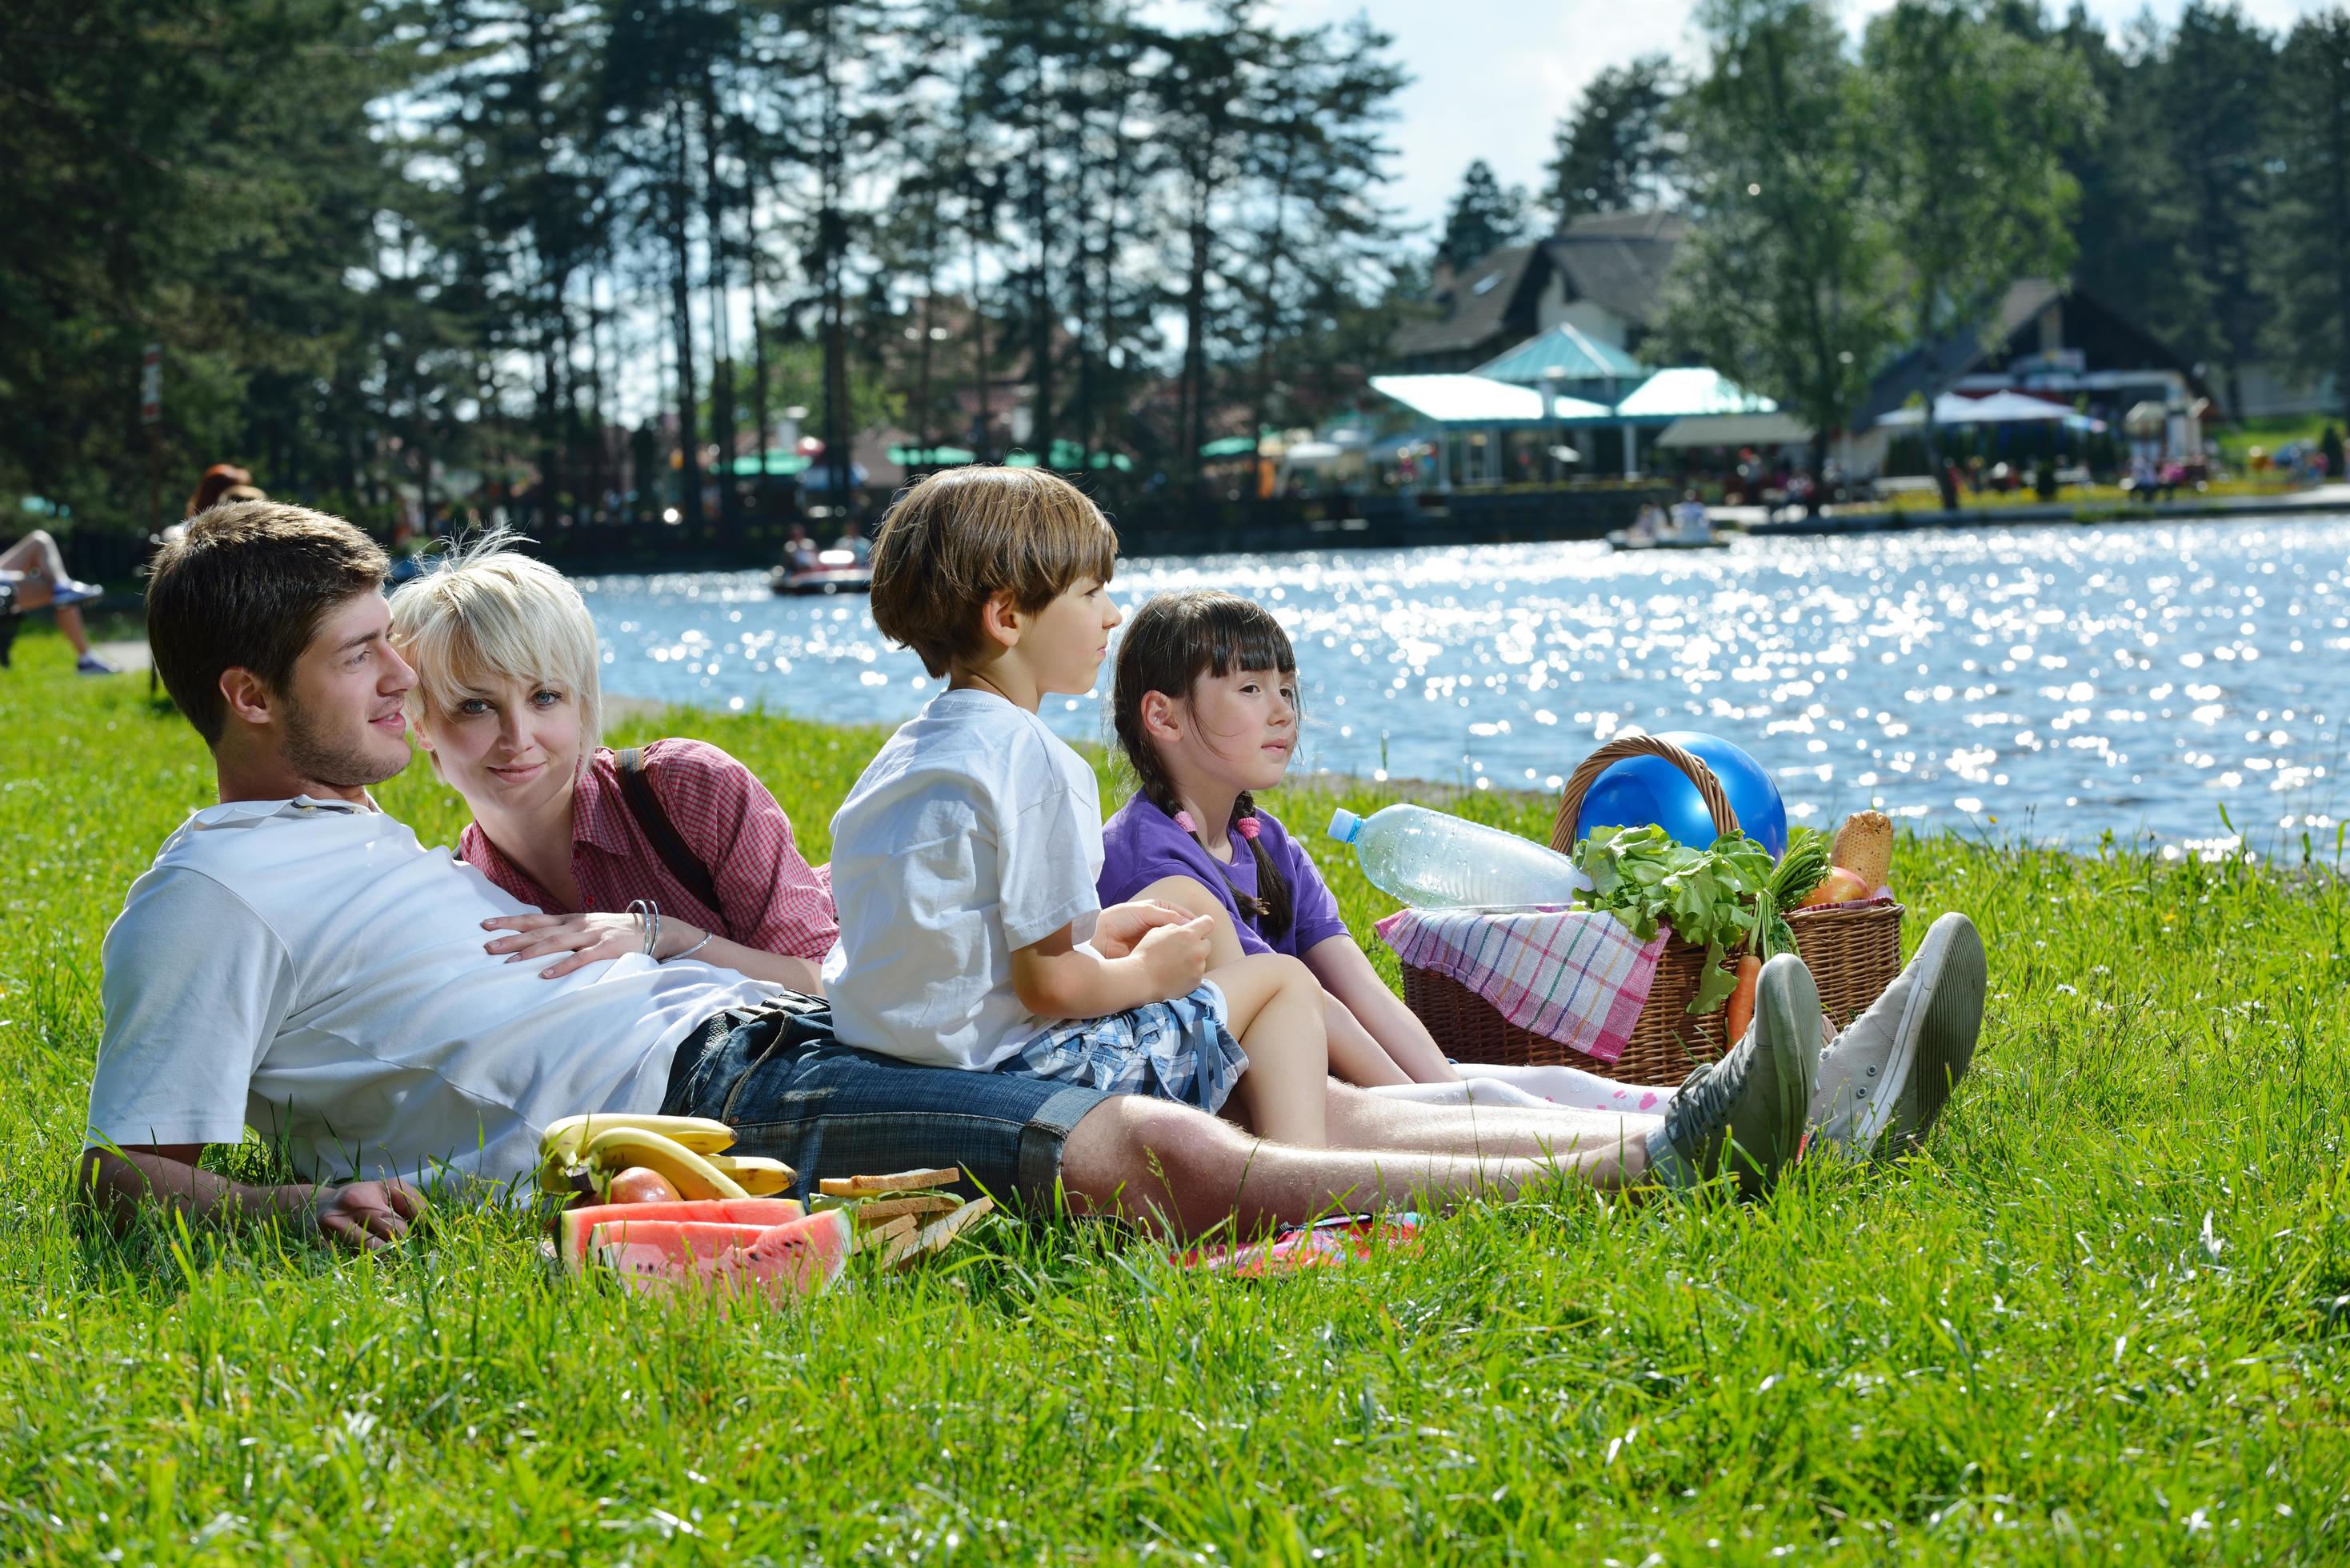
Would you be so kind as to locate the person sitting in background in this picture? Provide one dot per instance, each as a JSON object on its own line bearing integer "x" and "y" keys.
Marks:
{"x": 33, "y": 571}
{"x": 214, "y": 488}
{"x": 1691, "y": 523}
{"x": 799, "y": 550}
{"x": 677, "y": 845}
{"x": 852, "y": 539}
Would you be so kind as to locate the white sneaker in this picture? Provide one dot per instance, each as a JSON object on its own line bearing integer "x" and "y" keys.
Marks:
{"x": 1745, "y": 1112}
{"x": 1885, "y": 1079}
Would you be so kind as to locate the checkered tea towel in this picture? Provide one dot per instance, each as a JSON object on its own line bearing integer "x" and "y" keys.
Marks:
{"x": 1576, "y": 976}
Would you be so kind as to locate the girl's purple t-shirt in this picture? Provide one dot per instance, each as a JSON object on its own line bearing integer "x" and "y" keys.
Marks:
{"x": 1141, "y": 845}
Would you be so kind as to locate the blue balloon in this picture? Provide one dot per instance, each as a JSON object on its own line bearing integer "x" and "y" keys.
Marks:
{"x": 1642, "y": 790}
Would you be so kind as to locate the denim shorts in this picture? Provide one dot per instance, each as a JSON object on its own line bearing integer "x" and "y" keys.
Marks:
{"x": 792, "y": 1092}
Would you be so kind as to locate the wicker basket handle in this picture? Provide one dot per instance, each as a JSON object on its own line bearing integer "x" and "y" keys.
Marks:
{"x": 1570, "y": 805}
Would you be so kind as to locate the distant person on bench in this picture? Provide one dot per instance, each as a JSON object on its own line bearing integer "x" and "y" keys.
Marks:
{"x": 676, "y": 843}
{"x": 34, "y": 572}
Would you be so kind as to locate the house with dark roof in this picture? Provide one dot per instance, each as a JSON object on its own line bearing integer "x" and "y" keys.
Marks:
{"x": 1594, "y": 290}
{"x": 1600, "y": 274}
{"x": 2049, "y": 340}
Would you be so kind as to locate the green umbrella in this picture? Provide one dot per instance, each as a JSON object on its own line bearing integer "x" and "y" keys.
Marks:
{"x": 776, "y": 461}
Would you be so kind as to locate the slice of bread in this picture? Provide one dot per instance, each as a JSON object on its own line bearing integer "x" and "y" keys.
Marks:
{"x": 902, "y": 1181}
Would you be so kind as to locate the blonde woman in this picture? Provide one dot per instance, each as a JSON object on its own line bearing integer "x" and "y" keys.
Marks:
{"x": 675, "y": 850}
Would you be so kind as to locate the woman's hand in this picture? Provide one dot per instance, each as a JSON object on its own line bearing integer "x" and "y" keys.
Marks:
{"x": 581, "y": 939}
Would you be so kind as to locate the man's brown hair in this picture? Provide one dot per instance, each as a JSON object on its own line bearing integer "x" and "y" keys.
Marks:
{"x": 959, "y": 538}
{"x": 245, "y": 587}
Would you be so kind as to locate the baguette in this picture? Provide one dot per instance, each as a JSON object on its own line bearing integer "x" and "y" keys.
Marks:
{"x": 1863, "y": 846}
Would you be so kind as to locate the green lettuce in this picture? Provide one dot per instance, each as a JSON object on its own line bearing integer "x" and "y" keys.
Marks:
{"x": 1718, "y": 897}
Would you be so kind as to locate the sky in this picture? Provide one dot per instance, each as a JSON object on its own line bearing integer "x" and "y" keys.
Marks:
{"x": 1494, "y": 76}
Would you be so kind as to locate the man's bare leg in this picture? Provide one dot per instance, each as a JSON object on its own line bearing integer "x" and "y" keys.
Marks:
{"x": 1609, "y": 1146}
{"x": 1181, "y": 1171}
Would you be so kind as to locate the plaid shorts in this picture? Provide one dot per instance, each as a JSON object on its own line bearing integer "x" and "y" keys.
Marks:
{"x": 1177, "y": 1050}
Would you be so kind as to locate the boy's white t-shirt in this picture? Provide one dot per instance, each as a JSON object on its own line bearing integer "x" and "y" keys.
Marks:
{"x": 305, "y": 968}
{"x": 975, "y": 832}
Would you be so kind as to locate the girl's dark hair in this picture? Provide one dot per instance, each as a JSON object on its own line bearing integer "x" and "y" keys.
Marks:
{"x": 1167, "y": 647}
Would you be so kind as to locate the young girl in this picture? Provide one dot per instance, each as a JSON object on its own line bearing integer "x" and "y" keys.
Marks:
{"x": 1205, "y": 704}
{"x": 691, "y": 855}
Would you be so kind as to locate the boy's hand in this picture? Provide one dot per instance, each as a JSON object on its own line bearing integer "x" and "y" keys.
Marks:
{"x": 1175, "y": 957}
{"x": 1117, "y": 928}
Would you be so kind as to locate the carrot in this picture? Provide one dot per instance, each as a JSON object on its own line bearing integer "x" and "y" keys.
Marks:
{"x": 1742, "y": 1001}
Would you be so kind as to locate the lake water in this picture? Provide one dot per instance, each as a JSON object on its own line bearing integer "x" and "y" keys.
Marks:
{"x": 2054, "y": 682}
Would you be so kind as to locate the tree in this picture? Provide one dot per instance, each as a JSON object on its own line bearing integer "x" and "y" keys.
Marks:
{"x": 2307, "y": 252}
{"x": 1969, "y": 128}
{"x": 1484, "y": 217}
{"x": 1619, "y": 151}
{"x": 1781, "y": 284}
{"x": 2127, "y": 228}
{"x": 2218, "y": 100}
{"x": 1203, "y": 103}
{"x": 1316, "y": 163}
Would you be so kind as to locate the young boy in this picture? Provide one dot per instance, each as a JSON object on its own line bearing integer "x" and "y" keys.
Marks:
{"x": 964, "y": 862}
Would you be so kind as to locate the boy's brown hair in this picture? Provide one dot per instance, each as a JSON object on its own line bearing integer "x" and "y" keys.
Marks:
{"x": 245, "y": 587}
{"x": 959, "y": 538}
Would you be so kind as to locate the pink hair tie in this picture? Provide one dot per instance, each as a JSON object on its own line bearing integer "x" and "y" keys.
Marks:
{"x": 1183, "y": 820}
{"x": 1246, "y": 828}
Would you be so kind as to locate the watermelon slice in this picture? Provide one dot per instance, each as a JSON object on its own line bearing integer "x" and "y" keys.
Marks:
{"x": 779, "y": 1261}
{"x": 576, "y": 1226}
{"x": 659, "y": 1253}
{"x": 799, "y": 1259}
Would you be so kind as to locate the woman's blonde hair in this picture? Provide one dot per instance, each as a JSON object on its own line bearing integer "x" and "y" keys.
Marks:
{"x": 485, "y": 609}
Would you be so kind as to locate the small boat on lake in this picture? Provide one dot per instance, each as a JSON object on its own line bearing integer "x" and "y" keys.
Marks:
{"x": 1627, "y": 539}
{"x": 832, "y": 572}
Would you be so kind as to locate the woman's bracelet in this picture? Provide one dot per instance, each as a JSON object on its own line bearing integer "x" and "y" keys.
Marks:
{"x": 707, "y": 938}
{"x": 649, "y": 912}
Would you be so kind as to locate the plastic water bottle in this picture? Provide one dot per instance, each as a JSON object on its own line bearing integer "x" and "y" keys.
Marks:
{"x": 1434, "y": 861}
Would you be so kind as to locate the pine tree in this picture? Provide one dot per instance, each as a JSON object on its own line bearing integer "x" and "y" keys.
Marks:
{"x": 1619, "y": 151}
{"x": 1485, "y": 218}
{"x": 2307, "y": 233}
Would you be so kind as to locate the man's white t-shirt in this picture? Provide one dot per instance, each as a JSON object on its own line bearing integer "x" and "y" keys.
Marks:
{"x": 974, "y": 833}
{"x": 307, "y": 969}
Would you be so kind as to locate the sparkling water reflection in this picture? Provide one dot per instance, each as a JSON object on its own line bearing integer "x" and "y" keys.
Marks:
{"x": 2064, "y": 680}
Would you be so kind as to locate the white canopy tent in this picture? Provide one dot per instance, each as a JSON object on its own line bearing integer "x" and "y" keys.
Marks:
{"x": 1999, "y": 408}
{"x": 1478, "y": 419}
{"x": 1481, "y": 400}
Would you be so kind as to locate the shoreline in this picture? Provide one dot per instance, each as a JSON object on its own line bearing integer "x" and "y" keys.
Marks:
{"x": 131, "y": 658}
{"x": 2319, "y": 501}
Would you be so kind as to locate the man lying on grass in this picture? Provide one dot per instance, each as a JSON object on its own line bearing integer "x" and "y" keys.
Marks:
{"x": 297, "y": 962}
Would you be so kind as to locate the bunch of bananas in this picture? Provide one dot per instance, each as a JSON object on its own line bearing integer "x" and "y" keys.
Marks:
{"x": 586, "y": 1153}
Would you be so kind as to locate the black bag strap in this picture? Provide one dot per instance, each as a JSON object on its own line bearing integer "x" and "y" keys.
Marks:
{"x": 636, "y": 790}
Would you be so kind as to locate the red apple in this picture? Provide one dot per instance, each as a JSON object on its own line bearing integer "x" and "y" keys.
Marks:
{"x": 1838, "y": 887}
{"x": 639, "y": 1185}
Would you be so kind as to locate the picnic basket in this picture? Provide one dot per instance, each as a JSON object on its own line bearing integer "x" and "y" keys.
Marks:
{"x": 1853, "y": 950}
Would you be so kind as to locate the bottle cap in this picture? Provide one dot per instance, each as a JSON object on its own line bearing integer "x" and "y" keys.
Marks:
{"x": 1345, "y": 825}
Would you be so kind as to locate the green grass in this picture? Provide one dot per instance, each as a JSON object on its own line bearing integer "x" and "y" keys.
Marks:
{"x": 2236, "y": 440}
{"x": 2020, "y": 1347}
